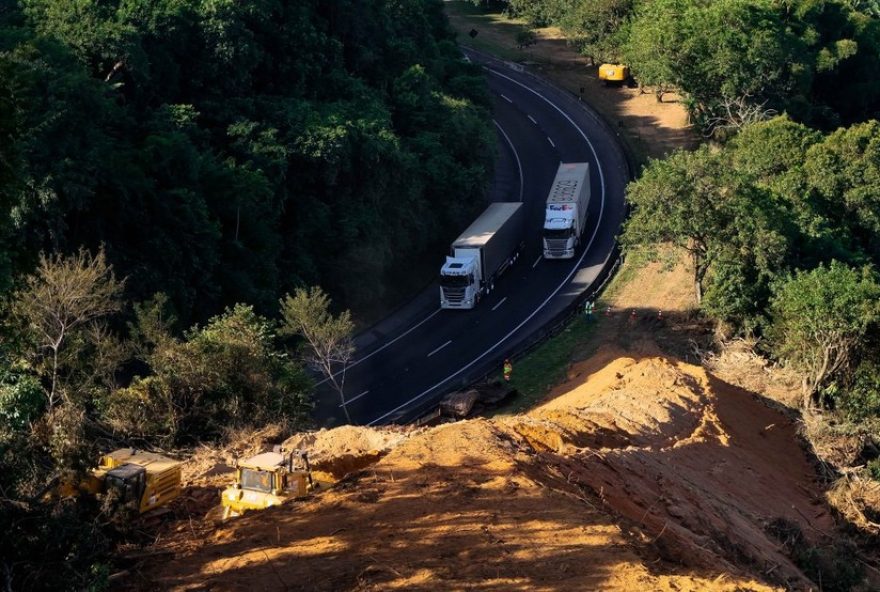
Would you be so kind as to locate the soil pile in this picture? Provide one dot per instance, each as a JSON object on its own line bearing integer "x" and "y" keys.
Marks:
{"x": 335, "y": 453}
{"x": 641, "y": 474}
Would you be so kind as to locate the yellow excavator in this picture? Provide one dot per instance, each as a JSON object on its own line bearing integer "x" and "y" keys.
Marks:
{"x": 140, "y": 480}
{"x": 268, "y": 479}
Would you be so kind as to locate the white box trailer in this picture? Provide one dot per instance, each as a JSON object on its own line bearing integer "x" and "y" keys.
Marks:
{"x": 482, "y": 253}
{"x": 566, "y": 213}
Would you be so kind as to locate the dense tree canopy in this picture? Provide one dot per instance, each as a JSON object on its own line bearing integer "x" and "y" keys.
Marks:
{"x": 227, "y": 151}
{"x": 782, "y": 225}
{"x": 735, "y": 61}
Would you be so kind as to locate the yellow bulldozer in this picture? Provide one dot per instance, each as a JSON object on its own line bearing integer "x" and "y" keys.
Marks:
{"x": 268, "y": 479}
{"x": 140, "y": 480}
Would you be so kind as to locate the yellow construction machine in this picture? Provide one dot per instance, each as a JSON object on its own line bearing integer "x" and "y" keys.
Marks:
{"x": 268, "y": 479}
{"x": 140, "y": 480}
{"x": 614, "y": 73}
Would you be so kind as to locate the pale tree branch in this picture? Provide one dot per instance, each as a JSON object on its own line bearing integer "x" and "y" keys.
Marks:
{"x": 734, "y": 113}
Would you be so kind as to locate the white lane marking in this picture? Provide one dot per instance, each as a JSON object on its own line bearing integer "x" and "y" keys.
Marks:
{"x": 439, "y": 348}
{"x": 499, "y": 303}
{"x": 532, "y": 119}
{"x": 374, "y": 352}
{"x": 502, "y": 96}
{"x": 538, "y": 260}
{"x": 515, "y": 155}
{"x": 571, "y": 273}
{"x": 551, "y": 142}
{"x": 354, "y": 398}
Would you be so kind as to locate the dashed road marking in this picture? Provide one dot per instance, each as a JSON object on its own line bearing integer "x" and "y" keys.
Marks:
{"x": 439, "y": 348}
{"x": 354, "y": 398}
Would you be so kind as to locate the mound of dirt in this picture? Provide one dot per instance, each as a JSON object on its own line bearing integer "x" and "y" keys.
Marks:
{"x": 337, "y": 452}
{"x": 211, "y": 466}
{"x": 641, "y": 474}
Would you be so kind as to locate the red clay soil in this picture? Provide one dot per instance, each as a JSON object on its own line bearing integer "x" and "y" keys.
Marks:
{"x": 701, "y": 466}
{"x": 641, "y": 474}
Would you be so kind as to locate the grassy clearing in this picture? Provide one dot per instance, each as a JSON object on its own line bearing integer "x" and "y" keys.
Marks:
{"x": 496, "y": 33}
{"x": 534, "y": 375}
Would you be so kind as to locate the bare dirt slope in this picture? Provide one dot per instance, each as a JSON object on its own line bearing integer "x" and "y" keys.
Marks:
{"x": 703, "y": 467}
{"x": 640, "y": 473}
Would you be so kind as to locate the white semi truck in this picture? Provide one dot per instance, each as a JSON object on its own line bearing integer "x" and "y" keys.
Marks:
{"x": 566, "y": 210}
{"x": 481, "y": 254}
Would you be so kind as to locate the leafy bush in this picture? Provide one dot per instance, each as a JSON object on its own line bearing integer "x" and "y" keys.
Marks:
{"x": 861, "y": 400}
{"x": 22, "y": 400}
{"x": 228, "y": 373}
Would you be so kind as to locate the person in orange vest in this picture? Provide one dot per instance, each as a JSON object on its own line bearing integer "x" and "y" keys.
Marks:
{"x": 508, "y": 369}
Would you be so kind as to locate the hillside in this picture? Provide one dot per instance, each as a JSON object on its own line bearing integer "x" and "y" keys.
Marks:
{"x": 640, "y": 472}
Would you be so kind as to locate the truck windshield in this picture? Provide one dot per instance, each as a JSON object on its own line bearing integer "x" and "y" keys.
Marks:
{"x": 256, "y": 480}
{"x": 455, "y": 281}
{"x": 561, "y": 233}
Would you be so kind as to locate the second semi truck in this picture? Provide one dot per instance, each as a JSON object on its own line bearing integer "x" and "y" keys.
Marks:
{"x": 566, "y": 213}
{"x": 481, "y": 254}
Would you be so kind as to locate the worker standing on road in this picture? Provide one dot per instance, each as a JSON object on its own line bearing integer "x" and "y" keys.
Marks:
{"x": 508, "y": 370}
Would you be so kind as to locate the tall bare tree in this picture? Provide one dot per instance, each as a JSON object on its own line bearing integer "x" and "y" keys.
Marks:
{"x": 63, "y": 295}
{"x": 331, "y": 347}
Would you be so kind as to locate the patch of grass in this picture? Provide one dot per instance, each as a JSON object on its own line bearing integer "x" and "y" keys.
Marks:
{"x": 545, "y": 367}
{"x": 624, "y": 275}
{"x": 636, "y": 260}
{"x": 496, "y": 33}
{"x": 874, "y": 469}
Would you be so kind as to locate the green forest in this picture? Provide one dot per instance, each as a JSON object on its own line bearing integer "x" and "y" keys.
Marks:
{"x": 169, "y": 171}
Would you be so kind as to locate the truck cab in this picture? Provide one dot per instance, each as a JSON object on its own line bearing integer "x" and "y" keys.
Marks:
{"x": 566, "y": 212}
{"x": 480, "y": 255}
{"x": 560, "y": 236}
{"x": 459, "y": 283}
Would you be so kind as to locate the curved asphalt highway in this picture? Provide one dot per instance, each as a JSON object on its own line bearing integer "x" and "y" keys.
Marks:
{"x": 408, "y": 363}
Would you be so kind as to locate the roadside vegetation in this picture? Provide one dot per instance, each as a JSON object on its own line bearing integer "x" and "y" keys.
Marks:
{"x": 733, "y": 61}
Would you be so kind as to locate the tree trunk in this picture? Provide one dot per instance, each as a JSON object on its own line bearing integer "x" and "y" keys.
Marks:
{"x": 699, "y": 272}
{"x": 54, "y": 377}
{"x": 342, "y": 393}
{"x": 807, "y": 401}
{"x": 811, "y": 388}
